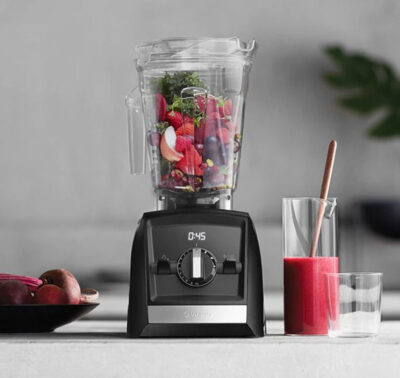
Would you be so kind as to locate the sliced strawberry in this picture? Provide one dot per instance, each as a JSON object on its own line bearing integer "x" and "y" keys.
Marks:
{"x": 182, "y": 143}
{"x": 174, "y": 118}
{"x": 161, "y": 106}
{"x": 191, "y": 162}
{"x": 186, "y": 129}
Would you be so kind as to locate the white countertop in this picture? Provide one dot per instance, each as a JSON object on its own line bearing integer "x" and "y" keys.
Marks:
{"x": 91, "y": 348}
{"x": 114, "y": 305}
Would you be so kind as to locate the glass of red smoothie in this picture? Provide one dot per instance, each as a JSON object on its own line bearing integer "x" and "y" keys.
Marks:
{"x": 305, "y": 302}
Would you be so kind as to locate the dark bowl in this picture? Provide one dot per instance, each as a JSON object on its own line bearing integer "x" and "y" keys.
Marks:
{"x": 40, "y": 318}
{"x": 382, "y": 217}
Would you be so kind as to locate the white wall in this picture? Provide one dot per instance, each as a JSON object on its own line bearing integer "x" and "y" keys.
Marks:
{"x": 65, "y": 67}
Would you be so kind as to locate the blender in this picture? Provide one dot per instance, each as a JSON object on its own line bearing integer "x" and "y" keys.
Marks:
{"x": 196, "y": 266}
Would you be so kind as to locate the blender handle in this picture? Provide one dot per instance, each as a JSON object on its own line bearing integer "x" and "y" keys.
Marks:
{"x": 136, "y": 132}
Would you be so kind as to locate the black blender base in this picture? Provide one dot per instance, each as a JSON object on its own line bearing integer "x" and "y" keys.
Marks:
{"x": 227, "y": 287}
{"x": 196, "y": 330}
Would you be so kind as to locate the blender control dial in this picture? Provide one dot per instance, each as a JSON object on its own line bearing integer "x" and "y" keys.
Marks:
{"x": 197, "y": 267}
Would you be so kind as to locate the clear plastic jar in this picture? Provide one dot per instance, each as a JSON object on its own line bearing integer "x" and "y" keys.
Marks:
{"x": 192, "y": 95}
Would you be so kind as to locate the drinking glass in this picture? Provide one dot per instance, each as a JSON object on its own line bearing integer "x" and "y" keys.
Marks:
{"x": 353, "y": 304}
{"x": 305, "y": 266}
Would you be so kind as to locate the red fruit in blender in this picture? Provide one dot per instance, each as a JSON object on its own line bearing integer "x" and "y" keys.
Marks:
{"x": 189, "y": 138}
{"x": 213, "y": 115}
{"x": 51, "y": 294}
{"x": 213, "y": 123}
{"x": 15, "y": 293}
{"x": 211, "y": 105}
{"x": 174, "y": 118}
{"x": 191, "y": 162}
{"x": 230, "y": 126}
{"x": 224, "y": 135}
{"x": 227, "y": 108}
{"x": 182, "y": 143}
{"x": 187, "y": 119}
{"x": 161, "y": 107}
{"x": 201, "y": 103}
{"x": 186, "y": 129}
{"x": 177, "y": 174}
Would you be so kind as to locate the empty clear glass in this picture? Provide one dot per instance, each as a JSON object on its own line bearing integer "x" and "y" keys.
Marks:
{"x": 353, "y": 304}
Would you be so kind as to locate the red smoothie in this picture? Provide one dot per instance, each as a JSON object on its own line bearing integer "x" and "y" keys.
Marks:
{"x": 305, "y": 298}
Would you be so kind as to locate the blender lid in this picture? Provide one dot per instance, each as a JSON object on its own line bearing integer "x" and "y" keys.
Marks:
{"x": 176, "y": 49}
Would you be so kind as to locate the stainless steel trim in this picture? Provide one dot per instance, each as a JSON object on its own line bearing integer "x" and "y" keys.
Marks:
{"x": 198, "y": 314}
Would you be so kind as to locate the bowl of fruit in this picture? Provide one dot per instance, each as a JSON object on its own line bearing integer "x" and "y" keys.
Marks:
{"x": 29, "y": 304}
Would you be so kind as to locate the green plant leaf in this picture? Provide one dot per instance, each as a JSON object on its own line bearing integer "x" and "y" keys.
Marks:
{"x": 387, "y": 128}
{"x": 373, "y": 86}
{"x": 338, "y": 81}
{"x": 363, "y": 103}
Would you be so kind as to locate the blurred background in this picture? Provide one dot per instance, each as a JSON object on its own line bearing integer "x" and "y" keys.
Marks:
{"x": 66, "y": 196}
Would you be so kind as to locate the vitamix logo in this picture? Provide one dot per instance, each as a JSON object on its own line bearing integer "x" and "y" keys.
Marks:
{"x": 197, "y": 315}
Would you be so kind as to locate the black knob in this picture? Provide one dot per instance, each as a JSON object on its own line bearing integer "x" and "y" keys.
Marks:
{"x": 197, "y": 267}
{"x": 163, "y": 266}
{"x": 231, "y": 266}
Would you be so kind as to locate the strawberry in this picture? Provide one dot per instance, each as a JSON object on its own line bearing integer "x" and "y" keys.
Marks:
{"x": 186, "y": 129}
{"x": 174, "y": 118}
{"x": 224, "y": 135}
{"x": 182, "y": 143}
{"x": 191, "y": 162}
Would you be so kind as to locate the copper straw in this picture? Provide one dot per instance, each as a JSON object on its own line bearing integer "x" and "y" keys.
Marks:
{"x": 330, "y": 160}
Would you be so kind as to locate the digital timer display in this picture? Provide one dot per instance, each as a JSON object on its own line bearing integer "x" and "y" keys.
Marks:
{"x": 196, "y": 236}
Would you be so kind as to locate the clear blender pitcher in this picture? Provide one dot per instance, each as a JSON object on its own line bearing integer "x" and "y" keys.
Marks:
{"x": 188, "y": 112}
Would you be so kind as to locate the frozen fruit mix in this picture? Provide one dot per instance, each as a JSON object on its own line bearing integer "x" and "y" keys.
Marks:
{"x": 195, "y": 139}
